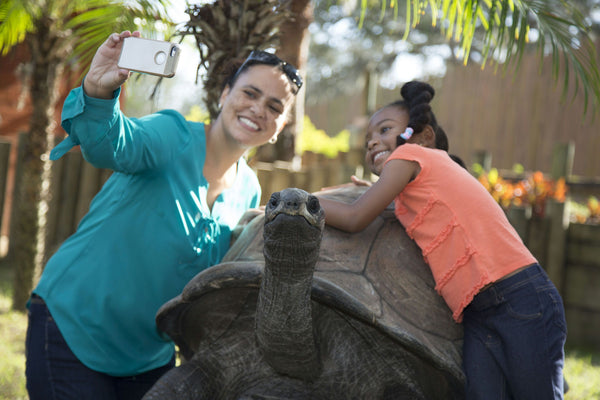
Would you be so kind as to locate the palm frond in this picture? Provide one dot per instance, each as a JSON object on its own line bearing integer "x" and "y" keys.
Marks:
{"x": 563, "y": 27}
{"x": 15, "y": 22}
{"x": 92, "y": 26}
{"x": 85, "y": 24}
{"x": 505, "y": 26}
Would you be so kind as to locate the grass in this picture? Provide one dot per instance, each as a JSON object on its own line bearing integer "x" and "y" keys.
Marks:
{"x": 582, "y": 368}
{"x": 582, "y": 371}
{"x": 13, "y": 326}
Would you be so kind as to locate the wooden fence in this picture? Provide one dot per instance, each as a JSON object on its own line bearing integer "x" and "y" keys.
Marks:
{"x": 569, "y": 252}
{"x": 517, "y": 117}
{"x": 312, "y": 173}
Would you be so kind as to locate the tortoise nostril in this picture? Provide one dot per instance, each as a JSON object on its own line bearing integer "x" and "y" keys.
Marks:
{"x": 313, "y": 205}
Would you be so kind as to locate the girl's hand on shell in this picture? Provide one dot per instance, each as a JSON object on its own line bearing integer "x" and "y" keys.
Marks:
{"x": 360, "y": 182}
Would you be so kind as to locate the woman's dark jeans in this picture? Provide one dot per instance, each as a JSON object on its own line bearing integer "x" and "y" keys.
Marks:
{"x": 53, "y": 372}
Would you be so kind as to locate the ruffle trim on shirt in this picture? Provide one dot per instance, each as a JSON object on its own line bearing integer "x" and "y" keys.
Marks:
{"x": 457, "y": 265}
{"x": 458, "y": 313}
{"x": 419, "y": 217}
{"x": 441, "y": 237}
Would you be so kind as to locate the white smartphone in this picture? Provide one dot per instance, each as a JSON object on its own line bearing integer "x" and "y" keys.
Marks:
{"x": 149, "y": 56}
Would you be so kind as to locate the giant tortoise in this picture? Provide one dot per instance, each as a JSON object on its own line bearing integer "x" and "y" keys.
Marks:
{"x": 300, "y": 311}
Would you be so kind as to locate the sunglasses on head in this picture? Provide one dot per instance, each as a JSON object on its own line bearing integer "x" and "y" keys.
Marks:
{"x": 262, "y": 57}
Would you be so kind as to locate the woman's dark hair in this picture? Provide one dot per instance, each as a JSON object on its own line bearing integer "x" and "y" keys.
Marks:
{"x": 228, "y": 72}
{"x": 416, "y": 97}
{"x": 258, "y": 57}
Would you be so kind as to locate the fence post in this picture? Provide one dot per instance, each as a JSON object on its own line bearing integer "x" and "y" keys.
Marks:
{"x": 562, "y": 164}
{"x": 264, "y": 172}
{"x": 16, "y": 188}
{"x": 4, "y": 169}
{"x": 519, "y": 218}
{"x": 483, "y": 158}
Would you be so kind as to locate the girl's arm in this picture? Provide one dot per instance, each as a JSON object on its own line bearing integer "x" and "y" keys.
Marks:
{"x": 396, "y": 174}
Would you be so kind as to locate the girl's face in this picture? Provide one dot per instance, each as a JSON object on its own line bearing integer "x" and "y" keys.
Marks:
{"x": 384, "y": 127}
{"x": 255, "y": 109}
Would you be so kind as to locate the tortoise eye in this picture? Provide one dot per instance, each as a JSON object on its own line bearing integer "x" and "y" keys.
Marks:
{"x": 274, "y": 199}
{"x": 313, "y": 205}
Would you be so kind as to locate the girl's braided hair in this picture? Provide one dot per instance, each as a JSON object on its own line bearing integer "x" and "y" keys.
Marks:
{"x": 416, "y": 97}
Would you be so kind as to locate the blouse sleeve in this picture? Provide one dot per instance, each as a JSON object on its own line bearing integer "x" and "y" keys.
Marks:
{"x": 109, "y": 139}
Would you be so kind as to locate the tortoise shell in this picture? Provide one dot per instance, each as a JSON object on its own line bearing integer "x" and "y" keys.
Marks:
{"x": 377, "y": 277}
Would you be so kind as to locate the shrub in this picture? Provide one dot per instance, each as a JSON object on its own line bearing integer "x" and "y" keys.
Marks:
{"x": 317, "y": 141}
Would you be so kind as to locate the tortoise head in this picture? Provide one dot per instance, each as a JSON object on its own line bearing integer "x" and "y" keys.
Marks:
{"x": 293, "y": 201}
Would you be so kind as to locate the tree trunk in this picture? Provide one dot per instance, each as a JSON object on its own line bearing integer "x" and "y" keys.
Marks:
{"x": 27, "y": 228}
{"x": 294, "y": 41}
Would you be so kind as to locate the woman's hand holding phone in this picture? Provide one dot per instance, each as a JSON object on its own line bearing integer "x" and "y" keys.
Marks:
{"x": 104, "y": 76}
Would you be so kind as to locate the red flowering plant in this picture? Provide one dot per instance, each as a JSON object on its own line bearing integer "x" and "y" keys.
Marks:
{"x": 532, "y": 191}
{"x": 594, "y": 207}
{"x": 588, "y": 213}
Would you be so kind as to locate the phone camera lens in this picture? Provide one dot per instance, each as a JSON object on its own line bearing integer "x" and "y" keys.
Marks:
{"x": 160, "y": 57}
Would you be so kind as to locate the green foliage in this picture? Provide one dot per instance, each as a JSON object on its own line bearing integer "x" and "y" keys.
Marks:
{"x": 317, "y": 141}
{"x": 582, "y": 372}
{"x": 12, "y": 346}
{"x": 78, "y": 26}
{"x": 13, "y": 326}
{"x": 14, "y": 24}
{"x": 501, "y": 29}
{"x": 586, "y": 213}
{"x": 99, "y": 18}
{"x": 477, "y": 169}
{"x": 197, "y": 114}
{"x": 518, "y": 169}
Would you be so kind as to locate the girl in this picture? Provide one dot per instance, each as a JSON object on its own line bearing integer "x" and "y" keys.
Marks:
{"x": 514, "y": 323}
{"x": 166, "y": 213}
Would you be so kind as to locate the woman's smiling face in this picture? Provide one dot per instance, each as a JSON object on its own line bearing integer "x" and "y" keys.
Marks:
{"x": 256, "y": 108}
{"x": 381, "y": 140}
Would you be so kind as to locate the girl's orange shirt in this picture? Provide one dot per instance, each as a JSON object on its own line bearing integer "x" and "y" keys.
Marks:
{"x": 463, "y": 233}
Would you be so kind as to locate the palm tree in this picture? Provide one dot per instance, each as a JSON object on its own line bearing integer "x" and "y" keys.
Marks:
{"x": 294, "y": 39}
{"x": 59, "y": 34}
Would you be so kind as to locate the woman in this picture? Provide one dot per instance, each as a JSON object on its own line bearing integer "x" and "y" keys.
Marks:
{"x": 166, "y": 213}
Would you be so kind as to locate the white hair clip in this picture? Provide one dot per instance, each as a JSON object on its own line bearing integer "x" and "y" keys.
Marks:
{"x": 407, "y": 134}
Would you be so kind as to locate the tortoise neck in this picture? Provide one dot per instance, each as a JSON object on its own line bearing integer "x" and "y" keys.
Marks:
{"x": 284, "y": 323}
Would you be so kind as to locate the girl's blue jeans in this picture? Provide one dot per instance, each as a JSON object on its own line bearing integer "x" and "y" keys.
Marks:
{"x": 53, "y": 372}
{"x": 514, "y": 336}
